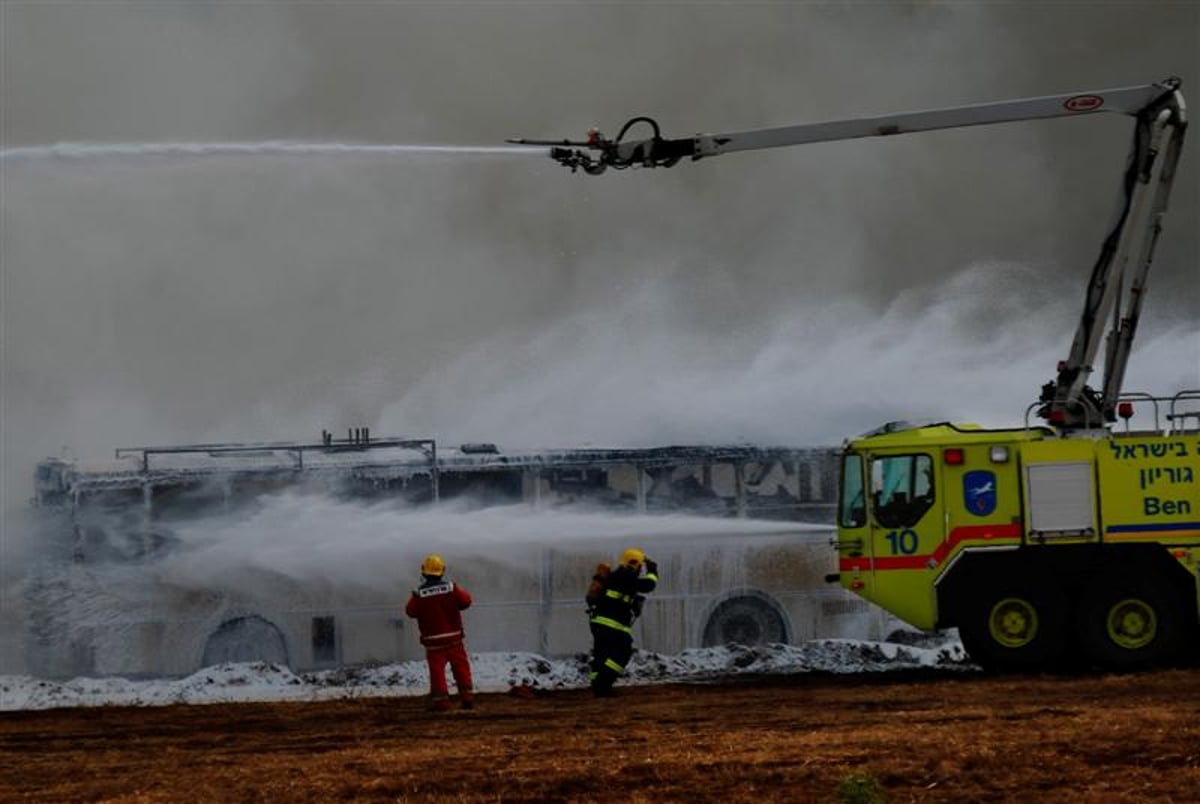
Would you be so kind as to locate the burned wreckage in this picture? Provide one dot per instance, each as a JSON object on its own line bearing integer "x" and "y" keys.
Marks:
{"x": 104, "y": 605}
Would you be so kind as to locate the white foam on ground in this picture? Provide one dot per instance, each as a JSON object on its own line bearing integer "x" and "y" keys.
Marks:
{"x": 493, "y": 672}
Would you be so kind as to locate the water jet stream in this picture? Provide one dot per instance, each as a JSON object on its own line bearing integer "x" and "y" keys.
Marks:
{"x": 82, "y": 150}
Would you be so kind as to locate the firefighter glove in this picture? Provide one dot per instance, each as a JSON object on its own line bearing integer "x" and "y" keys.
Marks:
{"x": 651, "y": 566}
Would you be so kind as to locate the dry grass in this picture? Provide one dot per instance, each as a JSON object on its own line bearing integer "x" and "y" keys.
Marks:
{"x": 1110, "y": 738}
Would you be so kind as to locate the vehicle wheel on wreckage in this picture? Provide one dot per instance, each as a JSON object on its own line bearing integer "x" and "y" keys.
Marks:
{"x": 1016, "y": 626}
{"x": 1130, "y": 624}
{"x": 246, "y": 639}
{"x": 749, "y": 619}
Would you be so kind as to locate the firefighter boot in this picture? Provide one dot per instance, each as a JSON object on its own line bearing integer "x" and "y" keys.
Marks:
{"x": 602, "y": 684}
{"x": 467, "y": 700}
{"x": 439, "y": 703}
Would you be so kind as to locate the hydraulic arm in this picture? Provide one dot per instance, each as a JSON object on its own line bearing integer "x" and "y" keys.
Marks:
{"x": 1067, "y": 402}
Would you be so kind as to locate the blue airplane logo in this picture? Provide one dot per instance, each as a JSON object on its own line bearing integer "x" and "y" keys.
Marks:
{"x": 979, "y": 492}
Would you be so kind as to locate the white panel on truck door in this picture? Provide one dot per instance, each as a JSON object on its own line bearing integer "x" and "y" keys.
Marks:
{"x": 1060, "y": 499}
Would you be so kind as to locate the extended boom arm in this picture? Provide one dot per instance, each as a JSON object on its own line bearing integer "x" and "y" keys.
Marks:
{"x": 1159, "y": 109}
{"x": 1125, "y": 255}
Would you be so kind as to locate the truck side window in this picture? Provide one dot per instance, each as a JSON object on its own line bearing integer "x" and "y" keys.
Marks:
{"x": 901, "y": 489}
{"x": 852, "y": 508}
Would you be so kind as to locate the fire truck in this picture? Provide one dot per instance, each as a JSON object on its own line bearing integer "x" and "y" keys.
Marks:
{"x": 1073, "y": 542}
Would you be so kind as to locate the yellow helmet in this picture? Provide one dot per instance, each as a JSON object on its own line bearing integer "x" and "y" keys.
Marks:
{"x": 633, "y": 558}
{"x": 433, "y": 565}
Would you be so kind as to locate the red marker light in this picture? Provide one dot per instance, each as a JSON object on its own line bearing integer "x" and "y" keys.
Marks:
{"x": 1125, "y": 409}
{"x": 1057, "y": 417}
{"x": 1083, "y": 103}
{"x": 953, "y": 457}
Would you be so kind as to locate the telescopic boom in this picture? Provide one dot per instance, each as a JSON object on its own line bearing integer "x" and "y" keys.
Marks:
{"x": 1120, "y": 270}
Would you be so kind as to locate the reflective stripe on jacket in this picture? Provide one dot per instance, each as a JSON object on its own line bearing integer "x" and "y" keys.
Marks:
{"x": 437, "y": 608}
{"x": 615, "y": 607}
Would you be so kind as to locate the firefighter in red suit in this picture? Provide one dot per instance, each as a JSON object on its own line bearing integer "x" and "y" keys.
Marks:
{"x": 437, "y": 606}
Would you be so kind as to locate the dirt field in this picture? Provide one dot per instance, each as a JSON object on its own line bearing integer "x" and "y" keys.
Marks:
{"x": 798, "y": 738}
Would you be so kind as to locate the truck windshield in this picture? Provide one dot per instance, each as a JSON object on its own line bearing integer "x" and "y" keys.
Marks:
{"x": 852, "y": 509}
{"x": 901, "y": 489}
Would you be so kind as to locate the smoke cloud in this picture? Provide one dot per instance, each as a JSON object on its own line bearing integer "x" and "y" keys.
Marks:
{"x": 792, "y": 296}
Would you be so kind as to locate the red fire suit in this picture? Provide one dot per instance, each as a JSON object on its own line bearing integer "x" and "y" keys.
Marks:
{"x": 437, "y": 606}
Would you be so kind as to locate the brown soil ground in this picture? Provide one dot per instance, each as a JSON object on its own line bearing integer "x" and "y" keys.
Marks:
{"x": 797, "y": 738}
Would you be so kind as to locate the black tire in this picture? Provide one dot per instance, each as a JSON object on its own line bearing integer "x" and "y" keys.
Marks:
{"x": 1018, "y": 626}
{"x": 748, "y": 619}
{"x": 1131, "y": 624}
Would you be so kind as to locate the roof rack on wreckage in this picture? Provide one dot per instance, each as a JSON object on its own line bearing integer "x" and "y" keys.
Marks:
{"x": 364, "y": 457}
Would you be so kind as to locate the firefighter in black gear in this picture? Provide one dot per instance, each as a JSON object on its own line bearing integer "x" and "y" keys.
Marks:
{"x": 614, "y": 601}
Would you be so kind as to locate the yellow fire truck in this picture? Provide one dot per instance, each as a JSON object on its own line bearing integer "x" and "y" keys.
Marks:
{"x": 1040, "y": 546}
{"x": 1074, "y": 540}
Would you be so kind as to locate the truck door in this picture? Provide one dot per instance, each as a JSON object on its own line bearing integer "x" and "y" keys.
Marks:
{"x": 905, "y": 531}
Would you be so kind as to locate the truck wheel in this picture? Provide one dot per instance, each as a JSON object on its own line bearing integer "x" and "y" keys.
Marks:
{"x": 1019, "y": 626}
{"x": 748, "y": 619}
{"x": 1127, "y": 625}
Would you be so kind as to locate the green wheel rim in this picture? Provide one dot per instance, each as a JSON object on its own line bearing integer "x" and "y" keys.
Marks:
{"x": 1013, "y": 622}
{"x": 1132, "y": 624}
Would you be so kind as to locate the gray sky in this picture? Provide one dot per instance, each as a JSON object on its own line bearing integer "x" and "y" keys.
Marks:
{"x": 166, "y": 300}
